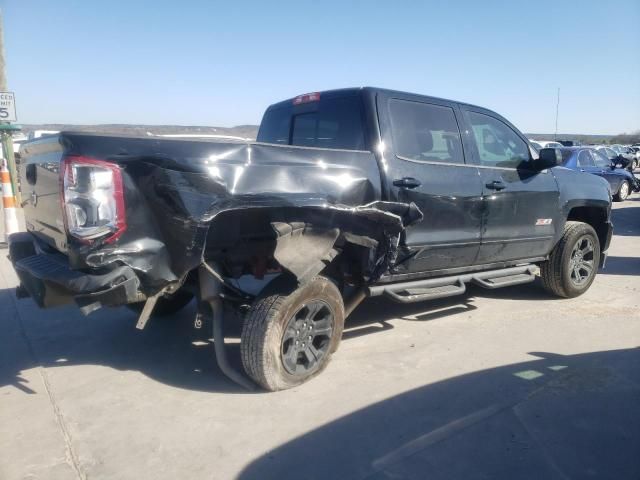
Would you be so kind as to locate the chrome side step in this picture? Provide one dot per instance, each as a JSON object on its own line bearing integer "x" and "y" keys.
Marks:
{"x": 432, "y": 288}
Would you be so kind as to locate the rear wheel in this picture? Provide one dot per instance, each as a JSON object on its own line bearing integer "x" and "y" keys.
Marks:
{"x": 288, "y": 337}
{"x": 573, "y": 263}
{"x": 623, "y": 192}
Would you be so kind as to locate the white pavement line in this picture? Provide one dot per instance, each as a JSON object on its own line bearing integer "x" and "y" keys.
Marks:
{"x": 70, "y": 455}
{"x": 437, "y": 435}
{"x": 456, "y": 426}
{"x": 545, "y": 452}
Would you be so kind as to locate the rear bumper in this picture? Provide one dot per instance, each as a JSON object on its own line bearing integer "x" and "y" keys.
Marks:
{"x": 47, "y": 278}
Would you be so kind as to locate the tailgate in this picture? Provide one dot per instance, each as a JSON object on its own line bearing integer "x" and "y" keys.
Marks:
{"x": 40, "y": 186}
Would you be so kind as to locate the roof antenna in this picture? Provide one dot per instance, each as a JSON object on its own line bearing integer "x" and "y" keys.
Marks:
{"x": 555, "y": 135}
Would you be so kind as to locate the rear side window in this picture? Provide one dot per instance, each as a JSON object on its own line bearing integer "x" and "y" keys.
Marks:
{"x": 329, "y": 123}
{"x": 498, "y": 145}
{"x": 274, "y": 127}
{"x": 585, "y": 160}
{"x": 425, "y": 132}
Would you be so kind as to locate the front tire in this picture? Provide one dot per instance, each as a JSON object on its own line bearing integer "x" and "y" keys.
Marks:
{"x": 573, "y": 263}
{"x": 288, "y": 337}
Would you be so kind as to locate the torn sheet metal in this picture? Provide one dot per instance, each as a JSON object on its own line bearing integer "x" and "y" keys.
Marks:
{"x": 176, "y": 190}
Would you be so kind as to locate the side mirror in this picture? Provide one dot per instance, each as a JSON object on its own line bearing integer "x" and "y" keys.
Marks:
{"x": 547, "y": 158}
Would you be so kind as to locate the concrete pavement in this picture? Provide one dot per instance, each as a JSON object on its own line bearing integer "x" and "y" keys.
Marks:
{"x": 502, "y": 384}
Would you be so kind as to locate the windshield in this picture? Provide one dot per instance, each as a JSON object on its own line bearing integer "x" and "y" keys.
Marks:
{"x": 607, "y": 152}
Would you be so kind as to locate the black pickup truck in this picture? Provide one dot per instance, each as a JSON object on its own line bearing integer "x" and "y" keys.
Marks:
{"x": 346, "y": 194}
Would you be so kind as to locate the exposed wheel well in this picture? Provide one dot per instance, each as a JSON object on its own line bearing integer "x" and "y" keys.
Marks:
{"x": 304, "y": 242}
{"x": 594, "y": 216}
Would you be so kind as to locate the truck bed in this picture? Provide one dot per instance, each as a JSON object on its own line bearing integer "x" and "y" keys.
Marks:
{"x": 187, "y": 198}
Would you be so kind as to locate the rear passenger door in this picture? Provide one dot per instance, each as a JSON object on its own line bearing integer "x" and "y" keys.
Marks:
{"x": 586, "y": 163}
{"x": 600, "y": 165}
{"x": 426, "y": 165}
{"x": 521, "y": 210}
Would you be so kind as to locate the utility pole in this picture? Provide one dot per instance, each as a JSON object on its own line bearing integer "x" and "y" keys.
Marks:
{"x": 7, "y": 142}
{"x": 3, "y": 75}
{"x": 555, "y": 135}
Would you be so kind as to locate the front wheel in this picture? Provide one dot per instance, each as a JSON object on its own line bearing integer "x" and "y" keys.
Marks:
{"x": 288, "y": 337}
{"x": 573, "y": 263}
{"x": 623, "y": 192}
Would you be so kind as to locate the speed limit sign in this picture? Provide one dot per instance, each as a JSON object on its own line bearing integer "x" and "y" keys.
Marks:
{"x": 7, "y": 107}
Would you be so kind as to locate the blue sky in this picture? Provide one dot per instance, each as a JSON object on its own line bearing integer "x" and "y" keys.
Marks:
{"x": 221, "y": 63}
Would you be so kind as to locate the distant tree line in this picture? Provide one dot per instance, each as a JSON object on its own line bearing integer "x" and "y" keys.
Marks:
{"x": 622, "y": 138}
{"x": 626, "y": 138}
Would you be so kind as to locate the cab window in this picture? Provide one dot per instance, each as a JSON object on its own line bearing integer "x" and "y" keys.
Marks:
{"x": 425, "y": 132}
{"x": 498, "y": 145}
{"x": 333, "y": 122}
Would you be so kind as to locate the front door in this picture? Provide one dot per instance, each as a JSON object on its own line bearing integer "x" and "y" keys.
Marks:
{"x": 427, "y": 167}
{"x": 521, "y": 206}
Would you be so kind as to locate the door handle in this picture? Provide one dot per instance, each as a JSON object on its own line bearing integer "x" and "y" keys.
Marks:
{"x": 407, "y": 182}
{"x": 496, "y": 185}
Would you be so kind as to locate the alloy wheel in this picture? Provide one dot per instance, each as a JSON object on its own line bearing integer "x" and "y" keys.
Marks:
{"x": 307, "y": 338}
{"x": 581, "y": 263}
{"x": 624, "y": 190}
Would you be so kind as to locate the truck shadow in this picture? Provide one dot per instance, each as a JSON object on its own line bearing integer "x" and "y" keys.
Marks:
{"x": 622, "y": 266}
{"x": 626, "y": 221}
{"x": 554, "y": 417}
{"x": 170, "y": 350}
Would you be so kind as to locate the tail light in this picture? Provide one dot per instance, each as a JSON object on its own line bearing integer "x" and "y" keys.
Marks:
{"x": 93, "y": 199}
{"x": 307, "y": 98}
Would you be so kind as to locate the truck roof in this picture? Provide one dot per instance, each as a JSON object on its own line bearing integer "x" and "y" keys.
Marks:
{"x": 356, "y": 90}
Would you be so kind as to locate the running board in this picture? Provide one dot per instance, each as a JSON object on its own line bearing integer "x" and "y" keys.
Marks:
{"x": 432, "y": 288}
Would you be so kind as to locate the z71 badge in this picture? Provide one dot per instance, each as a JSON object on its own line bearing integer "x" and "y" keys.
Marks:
{"x": 543, "y": 221}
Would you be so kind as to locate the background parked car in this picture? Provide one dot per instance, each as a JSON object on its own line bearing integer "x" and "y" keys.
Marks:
{"x": 624, "y": 152}
{"x": 535, "y": 145}
{"x": 636, "y": 153}
{"x": 570, "y": 143}
{"x": 592, "y": 161}
{"x": 616, "y": 158}
{"x": 538, "y": 144}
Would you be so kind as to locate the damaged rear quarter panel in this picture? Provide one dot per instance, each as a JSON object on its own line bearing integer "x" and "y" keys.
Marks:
{"x": 177, "y": 189}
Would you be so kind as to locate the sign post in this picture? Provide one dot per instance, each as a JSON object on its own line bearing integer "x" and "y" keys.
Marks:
{"x": 8, "y": 114}
{"x": 8, "y": 107}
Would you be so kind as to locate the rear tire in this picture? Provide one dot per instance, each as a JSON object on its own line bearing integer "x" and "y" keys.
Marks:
{"x": 573, "y": 263}
{"x": 623, "y": 192}
{"x": 288, "y": 336}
